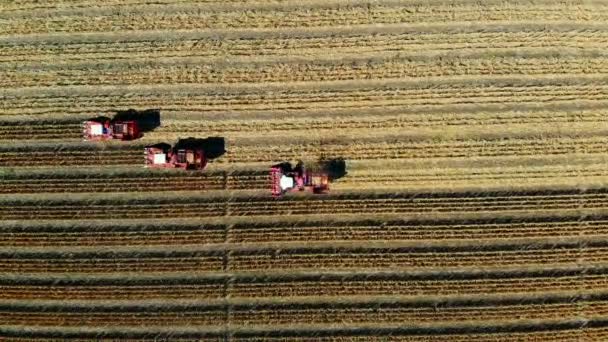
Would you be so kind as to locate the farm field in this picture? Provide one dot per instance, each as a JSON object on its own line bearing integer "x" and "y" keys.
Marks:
{"x": 473, "y": 208}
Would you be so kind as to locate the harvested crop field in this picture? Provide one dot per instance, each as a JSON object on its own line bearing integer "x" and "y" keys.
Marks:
{"x": 473, "y": 207}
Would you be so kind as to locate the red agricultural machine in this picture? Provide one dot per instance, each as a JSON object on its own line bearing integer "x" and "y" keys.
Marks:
{"x": 285, "y": 178}
{"x": 126, "y": 125}
{"x": 188, "y": 154}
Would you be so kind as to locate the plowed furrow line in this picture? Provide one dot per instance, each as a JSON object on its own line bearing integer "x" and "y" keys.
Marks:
{"x": 54, "y": 210}
{"x": 299, "y": 72}
{"x": 194, "y": 19}
{"x": 301, "y": 46}
{"x": 310, "y": 101}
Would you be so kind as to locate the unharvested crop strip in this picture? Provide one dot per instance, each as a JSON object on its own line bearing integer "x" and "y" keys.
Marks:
{"x": 317, "y": 16}
{"x": 310, "y": 72}
{"x": 33, "y": 130}
{"x": 425, "y": 96}
{"x": 346, "y": 45}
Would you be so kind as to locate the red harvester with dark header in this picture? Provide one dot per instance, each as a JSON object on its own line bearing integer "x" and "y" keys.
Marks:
{"x": 188, "y": 154}
{"x": 102, "y": 128}
{"x": 285, "y": 178}
{"x": 126, "y": 125}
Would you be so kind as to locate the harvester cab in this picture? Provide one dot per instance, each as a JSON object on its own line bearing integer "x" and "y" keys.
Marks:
{"x": 285, "y": 178}
{"x": 188, "y": 154}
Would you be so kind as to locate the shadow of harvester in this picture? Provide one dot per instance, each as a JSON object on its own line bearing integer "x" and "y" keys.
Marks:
{"x": 147, "y": 120}
{"x": 335, "y": 168}
{"x": 214, "y": 147}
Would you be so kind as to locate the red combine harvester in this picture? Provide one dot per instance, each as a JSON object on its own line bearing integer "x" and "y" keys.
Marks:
{"x": 284, "y": 179}
{"x": 126, "y": 125}
{"x": 188, "y": 154}
{"x": 102, "y": 128}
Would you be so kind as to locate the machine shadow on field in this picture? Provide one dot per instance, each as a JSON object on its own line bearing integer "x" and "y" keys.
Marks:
{"x": 148, "y": 119}
{"x": 335, "y": 168}
{"x": 214, "y": 147}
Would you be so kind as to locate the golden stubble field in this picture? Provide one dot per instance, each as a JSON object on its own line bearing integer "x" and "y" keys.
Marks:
{"x": 474, "y": 208}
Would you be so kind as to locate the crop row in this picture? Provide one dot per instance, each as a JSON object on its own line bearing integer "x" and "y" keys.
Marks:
{"x": 432, "y": 178}
{"x": 124, "y": 156}
{"x": 255, "y": 206}
{"x": 366, "y": 120}
{"x": 171, "y": 234}
{"x": 133, "y": 154}
{"x": 447, "y": 94}
{"x": 72, "y": 131}
{"x": 509, "y": 309}
{"x": 277, "y": 285}
{"x": 362, "y": 14}
{"x": 301, "y": 72}
{"x": 40, "y": 130}
{"x": 136, "y": 182}
{"x": 558, "y": 331}
{"x": 306, "y": 259}
{"x": 28, "y": 5}
{"x": 419, "y": 42}
{"x": 405, "y": 150}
